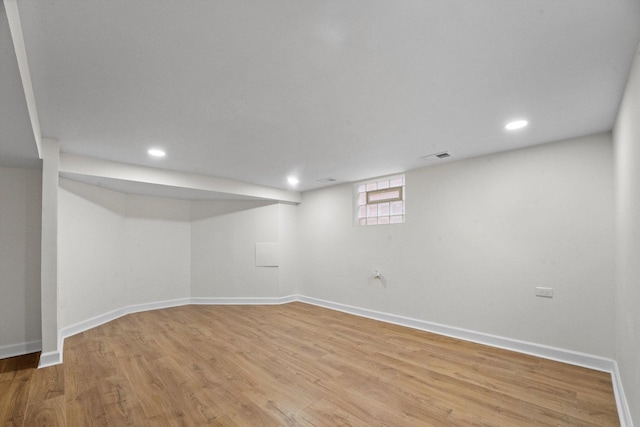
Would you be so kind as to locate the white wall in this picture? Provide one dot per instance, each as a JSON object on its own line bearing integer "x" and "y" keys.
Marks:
{"x": 91, "y": 252}
{"x": 289, "y": 249}
{"x": 627, "y": 160}
{"x": 158, "y": 249}
{"x": 481, "y": 234}
{"x": 117, "y": 250}
{"x": 20, "y": 210}
{"x": 223, "y": 238}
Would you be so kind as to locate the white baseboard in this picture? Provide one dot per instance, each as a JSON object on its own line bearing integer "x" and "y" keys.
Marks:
{"x": 244, "y": 301}
{"x": 624, "y": 412}
{"x": 85, "y": 325}
{"x": 113, "y": 315}
{"x": 561, "y": 355}
{"x": 54, "y": 358}
{"x": 137, "y": 308}
{"x": 20, "y": 349}
{"x": 539, "y": 350}
{"x": 547, "y": 352}
{"x": 50, "y": 358}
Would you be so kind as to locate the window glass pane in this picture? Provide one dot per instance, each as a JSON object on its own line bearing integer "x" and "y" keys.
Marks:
{"x": 398, "y": 182}
{"x": 383, "y": 209}
{"x": 380, "y": 202}
{"x": 398, "y": 219}
{"x": 397, "y": 208}
{"x": 384, "y": 195}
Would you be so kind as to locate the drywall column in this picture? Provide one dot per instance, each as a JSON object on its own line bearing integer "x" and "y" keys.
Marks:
{"x": 49, "y": 253}
{"x": 627, "y": 167}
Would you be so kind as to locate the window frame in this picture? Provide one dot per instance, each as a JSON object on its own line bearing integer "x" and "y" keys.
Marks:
{"x": 362, "y": 198}
{"x": 385, "y": 190}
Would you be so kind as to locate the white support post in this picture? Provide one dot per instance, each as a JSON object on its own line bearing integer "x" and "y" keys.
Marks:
{"x": 51, "y": 353}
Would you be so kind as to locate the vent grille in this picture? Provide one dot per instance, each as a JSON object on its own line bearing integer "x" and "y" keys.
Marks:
{"x": 441, "y": 155}
{"x": 326, "y": 180}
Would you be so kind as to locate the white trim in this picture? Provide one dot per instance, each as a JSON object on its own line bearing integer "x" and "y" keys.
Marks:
{"x": 20, "y": 349}
{"x": 244, "y": 301}
{"x": 561, "y": 355}
{"x": 546, "y": 352}
{"x": 539, "y": 350}
{"x": 49, "y": 359}
{"x": 93, "y": 322}
{"x": 54, "y": 358}
{"x": 137, "y": 308}
{"x": 624, "y": 412}
{"x": 113, "y": 315}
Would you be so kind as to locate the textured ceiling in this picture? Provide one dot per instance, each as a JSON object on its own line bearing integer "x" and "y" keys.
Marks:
{"x": 255, "y": 90}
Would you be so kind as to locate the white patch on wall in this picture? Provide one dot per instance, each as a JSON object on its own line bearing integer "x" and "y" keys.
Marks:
{"x": 267, "y": 255}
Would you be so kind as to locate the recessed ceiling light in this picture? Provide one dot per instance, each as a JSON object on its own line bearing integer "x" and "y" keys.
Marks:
{"x": 518, "y": 124}
{"x": 156, "y": 152}
{"x": 293, "y": 180}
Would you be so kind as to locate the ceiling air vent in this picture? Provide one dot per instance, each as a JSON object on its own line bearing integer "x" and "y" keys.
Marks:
{"x": 326, "y": 180}
{"x": 441, "y": 155}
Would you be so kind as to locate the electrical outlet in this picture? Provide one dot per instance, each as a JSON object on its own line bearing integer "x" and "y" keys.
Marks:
{"x": 544, "y": 292}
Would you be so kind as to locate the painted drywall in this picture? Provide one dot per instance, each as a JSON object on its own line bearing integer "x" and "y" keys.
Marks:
{"x": 117, "y": 250}
{"x": 479, "y": 236}
{"x": 49, "y": 320}
{"x": 627, "y": 165}
{"x": 91, "y": 252}
{"x": 158, "y": 249}
{"x": 20, "y": 210}
{"x": 223, "y": 238}
{"x": 289, "y": 250}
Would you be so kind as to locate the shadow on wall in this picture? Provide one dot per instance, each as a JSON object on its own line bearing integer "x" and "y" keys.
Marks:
{"x": 115, "y": 203}
{"x": 202, "y": 209}
{"x": 32, "y": 262}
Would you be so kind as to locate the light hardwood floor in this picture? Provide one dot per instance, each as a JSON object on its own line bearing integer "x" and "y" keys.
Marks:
{"x": 293, "y": 364}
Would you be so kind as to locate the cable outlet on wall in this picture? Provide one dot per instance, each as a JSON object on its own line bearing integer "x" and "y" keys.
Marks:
{"x": 544, "y": 292}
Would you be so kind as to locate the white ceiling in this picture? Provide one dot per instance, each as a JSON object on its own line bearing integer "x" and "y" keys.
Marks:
{"x": 17, "y": 144}
{"x": 254, "y": 90}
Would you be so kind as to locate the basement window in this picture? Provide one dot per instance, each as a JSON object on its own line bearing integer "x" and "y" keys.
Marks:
{"x": 380, "y": 201}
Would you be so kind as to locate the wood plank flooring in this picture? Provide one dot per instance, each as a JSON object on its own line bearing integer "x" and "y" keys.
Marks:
{"x": 292, "y": 365}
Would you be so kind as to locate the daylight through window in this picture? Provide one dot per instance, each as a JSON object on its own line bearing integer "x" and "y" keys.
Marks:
{"x": 380, "y": 201}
